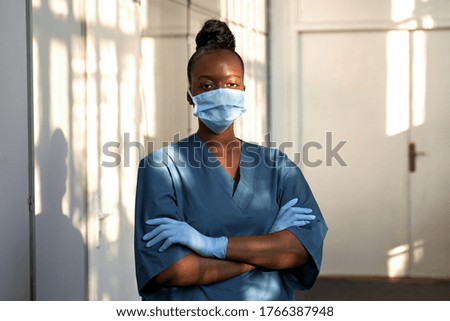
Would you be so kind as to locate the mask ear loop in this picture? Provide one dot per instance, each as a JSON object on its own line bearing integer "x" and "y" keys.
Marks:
{"x": 189, "y": 92}
{"x": 193, "y": 102}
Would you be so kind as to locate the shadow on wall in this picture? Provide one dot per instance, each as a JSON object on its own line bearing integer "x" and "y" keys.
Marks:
{"x": 60, "y": 252}
{"x": 59, "y": 245}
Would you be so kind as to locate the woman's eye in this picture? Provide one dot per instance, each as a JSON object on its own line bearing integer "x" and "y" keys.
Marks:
{"x": 207, "y": 86}
{"x": 233, "y": 85}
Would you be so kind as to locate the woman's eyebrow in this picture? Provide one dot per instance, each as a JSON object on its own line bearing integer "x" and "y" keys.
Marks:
{"x": 235, "y": 76}
{"x": 205, "y": 76}
{"x": 211, "y": 77}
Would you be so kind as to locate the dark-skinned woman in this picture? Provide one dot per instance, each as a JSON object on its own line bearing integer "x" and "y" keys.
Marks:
{"x": 218, "y": 218}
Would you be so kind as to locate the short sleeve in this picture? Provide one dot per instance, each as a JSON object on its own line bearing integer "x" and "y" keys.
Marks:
{"x": 155, "y": 197}
{"x": 292, "y": 184}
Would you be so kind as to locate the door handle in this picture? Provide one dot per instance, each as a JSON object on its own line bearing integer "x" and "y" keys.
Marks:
{"x": 100, "y": 217}
{"x": 412, "y": 154}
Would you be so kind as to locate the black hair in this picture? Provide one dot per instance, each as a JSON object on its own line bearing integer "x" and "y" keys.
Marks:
{"x": 215, "y": 35}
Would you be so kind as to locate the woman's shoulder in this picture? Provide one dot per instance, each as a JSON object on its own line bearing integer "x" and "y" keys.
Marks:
{"x": 272, "y": 157}
{"x": 154, "y": 159}
{"x": 264, "y": 150}
{"x": 162, "y": 155}
{"x": 256, "y": 153}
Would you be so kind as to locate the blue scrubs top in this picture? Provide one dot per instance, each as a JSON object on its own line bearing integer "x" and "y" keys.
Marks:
{"x": 184, "y": 181}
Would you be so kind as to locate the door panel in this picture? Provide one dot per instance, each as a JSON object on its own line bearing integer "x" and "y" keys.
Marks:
{"x": 430, "y": 201}
{"x": 379, "y": 91}
{"x": 345, "y": 90}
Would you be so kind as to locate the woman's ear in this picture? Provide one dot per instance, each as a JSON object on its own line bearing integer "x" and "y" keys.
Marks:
{"x": 189, "y": 98}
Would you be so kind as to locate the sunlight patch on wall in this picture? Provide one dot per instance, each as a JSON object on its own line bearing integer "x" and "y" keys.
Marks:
{"x": 398, "y": 261}
{"x": 37, "y": 120}
{"x": 428, "y": 22}
{"x": 127, "y": 17}
{"x": 37, "y": 190}
{"x": 143, "y": 15}
{"x": 128, "y": 83}
{"x": 418, "y": 251}
{"x": 78, "y": 221}
{"x": 129, "y": 125}
{"x": 105, "y": 297}
{"x": 59, "y": 7}
{"x": 109, "y": 91}
{"x": 78, "y": 130}
{"x": 36, "y": 4}
{"x": 397, "y": 83}
{"x": 402, "y": 10}
{"x": 109, "y": 124}
{"x": 419, "y": 78}
{"x": 108, "y": 60}
{"x": 78, "y": 9}
{"x": 148, "y": 87}
{"x": 59, "y": 100}
{"x": 91, "y": 11}
{"x": 107, "y": 13}
{"x": 59, "y": 82}
{"x": 92, "y": 117}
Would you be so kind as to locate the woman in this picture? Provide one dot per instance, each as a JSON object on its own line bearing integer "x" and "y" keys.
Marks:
{"x": 218, "y": 218}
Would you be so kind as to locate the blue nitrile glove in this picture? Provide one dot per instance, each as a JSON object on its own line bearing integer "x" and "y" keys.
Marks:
{"x": 177, "y": 232}
{"x": 288, "y": 216}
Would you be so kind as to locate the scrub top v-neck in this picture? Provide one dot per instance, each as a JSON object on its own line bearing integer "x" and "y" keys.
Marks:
{"x": 185, "y": 181}
{"x": 241, "y": 190}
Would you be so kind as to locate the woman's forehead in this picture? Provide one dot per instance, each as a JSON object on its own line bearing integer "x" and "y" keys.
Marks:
{"x": 219, "y": 61}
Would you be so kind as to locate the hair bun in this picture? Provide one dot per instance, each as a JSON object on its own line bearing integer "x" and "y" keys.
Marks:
{"x": 215, "y": 34}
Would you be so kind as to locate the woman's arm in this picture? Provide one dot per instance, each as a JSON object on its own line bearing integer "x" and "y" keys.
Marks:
{"x": 278, "y": 251}
{"x": 194, "y": 269}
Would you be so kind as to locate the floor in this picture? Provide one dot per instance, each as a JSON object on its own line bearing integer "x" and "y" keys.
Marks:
{"x": 377, "y": 289}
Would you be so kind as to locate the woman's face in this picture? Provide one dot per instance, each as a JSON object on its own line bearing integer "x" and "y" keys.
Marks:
{"x": 219, "y": 69}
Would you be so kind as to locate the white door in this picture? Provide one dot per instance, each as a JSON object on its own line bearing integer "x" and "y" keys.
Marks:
{"x": 368, "y": 89}
{"x": 429, "y": 183}
{"x": 344, "y": 92}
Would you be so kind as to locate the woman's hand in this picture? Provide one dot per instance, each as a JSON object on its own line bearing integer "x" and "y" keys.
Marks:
{"x": 178, "y": 232}
{"x": 288, "y": 216}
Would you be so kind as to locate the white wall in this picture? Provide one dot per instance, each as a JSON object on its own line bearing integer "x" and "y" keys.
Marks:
{"x": 14, "y": 159}
{"x": 86, "y": 94}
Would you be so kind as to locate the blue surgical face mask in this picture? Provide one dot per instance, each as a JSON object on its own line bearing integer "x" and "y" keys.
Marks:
{"x": 218, "y": 108}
